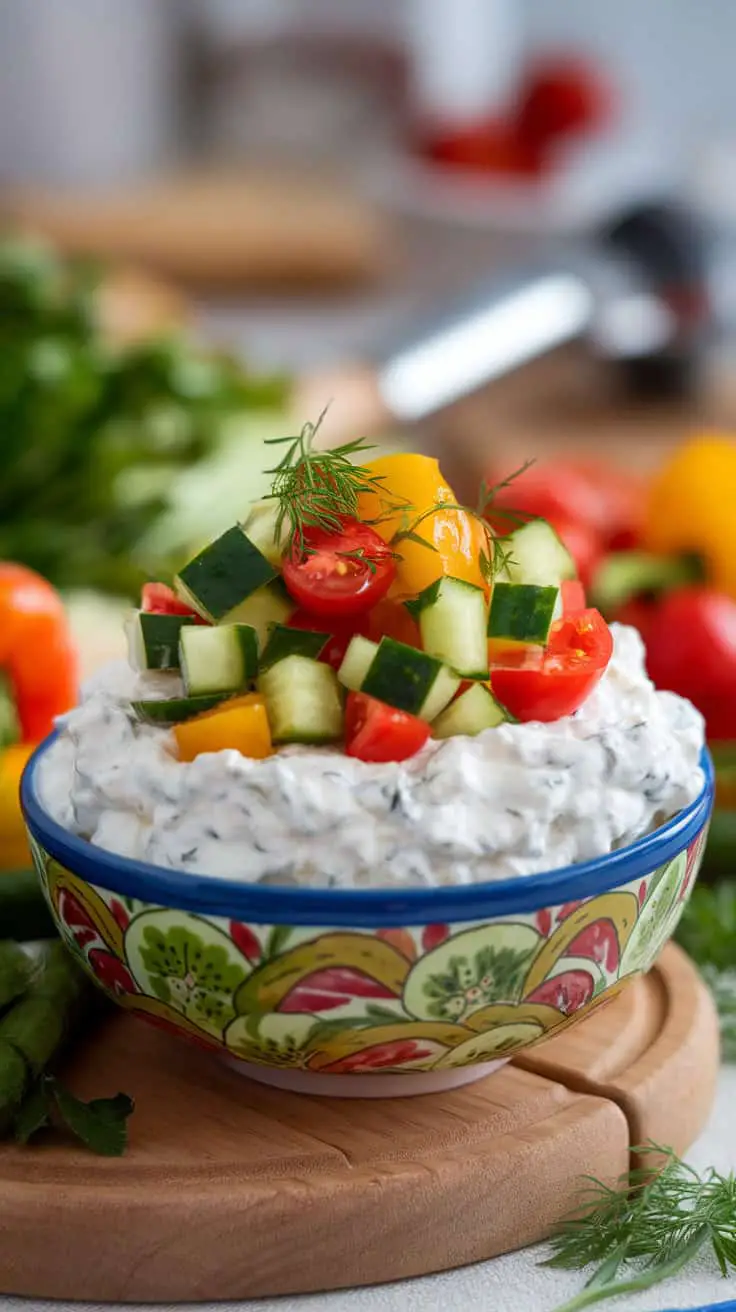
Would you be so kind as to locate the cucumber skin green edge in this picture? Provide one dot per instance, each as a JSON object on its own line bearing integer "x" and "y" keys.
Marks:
{"x": 208, "y": 577}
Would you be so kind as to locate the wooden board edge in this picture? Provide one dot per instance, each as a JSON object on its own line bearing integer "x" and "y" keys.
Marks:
{"x": 685, "y": 1056}
{"x": 378, "y": 1225}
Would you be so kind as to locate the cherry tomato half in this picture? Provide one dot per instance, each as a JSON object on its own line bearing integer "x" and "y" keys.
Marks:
{"x": 377, "y": 732}
{"x": 160, "y": 599}
{"x": 343, "y": 573}
{"x": 545, "y": 685}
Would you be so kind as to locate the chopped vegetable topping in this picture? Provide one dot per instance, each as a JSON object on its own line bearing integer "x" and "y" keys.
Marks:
{"x": 402, "y": 594}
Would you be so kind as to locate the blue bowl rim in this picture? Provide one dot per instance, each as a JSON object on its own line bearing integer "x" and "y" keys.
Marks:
{"x": 214, "y": 895}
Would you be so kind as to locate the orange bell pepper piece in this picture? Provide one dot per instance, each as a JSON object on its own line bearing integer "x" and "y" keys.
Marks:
{"x": 457, "y": 537}
{"x": 239, "y": 725}
{"x": 690, "y": 507}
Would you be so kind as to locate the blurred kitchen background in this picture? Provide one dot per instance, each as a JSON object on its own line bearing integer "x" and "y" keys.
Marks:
{"x": 491, "y": 229}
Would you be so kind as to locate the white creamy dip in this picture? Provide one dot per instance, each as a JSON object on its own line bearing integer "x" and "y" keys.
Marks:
{"x": 515, "y": 800}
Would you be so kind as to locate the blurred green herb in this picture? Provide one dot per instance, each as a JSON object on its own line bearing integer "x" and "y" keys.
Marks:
{"x": 648, "y": 1229}
{"x": 707, "y": 931}
{"x": 78, "y": 414}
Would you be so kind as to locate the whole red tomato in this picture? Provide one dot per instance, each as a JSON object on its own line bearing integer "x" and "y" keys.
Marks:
{"x": 691, "y": 649}
{"x": 604, "y": 498}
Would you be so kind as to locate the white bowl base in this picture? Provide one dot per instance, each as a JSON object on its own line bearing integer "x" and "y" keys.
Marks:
{"x": 408, "y": 1085}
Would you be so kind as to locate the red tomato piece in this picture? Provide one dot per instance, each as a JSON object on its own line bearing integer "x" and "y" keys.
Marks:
{"x": 606, "y": 499}
{"x": 337, "y": 574}
{"x": 545, "y": 685}
{"x": 691, "y": 650}
{"x": 391, "y": 619}
{"x": 377, "y": 732}
{"x": 340, "y": 633}
{"x": 160, "y": 599}
{"x": 573, "y": 597}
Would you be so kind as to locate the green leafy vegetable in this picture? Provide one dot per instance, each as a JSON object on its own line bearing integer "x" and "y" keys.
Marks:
{"x": 649, "y": 1229}
{"x": 79, "y": 417}
{"x": 707, "y": 930}
{"x": 34, "y": 1114}
{"x": 100, "y": 1124}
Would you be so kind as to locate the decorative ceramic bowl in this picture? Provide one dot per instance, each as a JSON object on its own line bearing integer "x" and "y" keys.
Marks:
{"x": 373, "y": 993}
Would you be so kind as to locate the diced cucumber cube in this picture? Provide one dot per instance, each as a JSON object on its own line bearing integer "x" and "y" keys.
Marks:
{"x": 453, "y": 618}
{"x": 398, "y": 675}
{"x": 303, "y": 701}
{"x": 260, "y": 526}
{"x": 223, "y": 576}
{"x": 522, "y": 612}
{"x": 218, "y": 660}
{"x": 283, "y": 642}
{"x": 266, "y": 607}
{"x": 173, "y": 710}
{"x": 536, "y": 555}
{"x": 153, "y": 640}
{"x": 403, "y": 677}
{"x": 441, "y": 692}
{"x": 473, "y": 711}
{"x": 357, "y": 661}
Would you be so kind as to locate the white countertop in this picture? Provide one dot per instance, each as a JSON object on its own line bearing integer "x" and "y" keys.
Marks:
{"x": 515, "y": 1281}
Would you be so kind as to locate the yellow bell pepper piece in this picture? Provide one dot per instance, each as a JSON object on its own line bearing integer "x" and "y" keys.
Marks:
{"x": 458, "y": 538}
{"x": 239, "y": 725}
{"x": 691, "y": 507}
{"x": 14, "y": 850}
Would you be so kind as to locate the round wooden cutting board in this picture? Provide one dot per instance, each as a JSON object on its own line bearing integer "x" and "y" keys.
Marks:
{"x": 232, "y": 1190}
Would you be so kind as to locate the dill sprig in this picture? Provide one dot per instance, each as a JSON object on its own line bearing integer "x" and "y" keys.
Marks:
{"x": 648, "y": 1230}
{"x": 319, "y": 489}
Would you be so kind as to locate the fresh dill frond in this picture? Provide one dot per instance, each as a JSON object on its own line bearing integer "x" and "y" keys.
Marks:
{"x": 643, "y": 1233}
{"x": 488, "y": 493}
{"x": 320, "y": 489}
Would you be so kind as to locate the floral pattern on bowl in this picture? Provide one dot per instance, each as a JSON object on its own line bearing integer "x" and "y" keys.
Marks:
{"x": 434, "y": 997}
